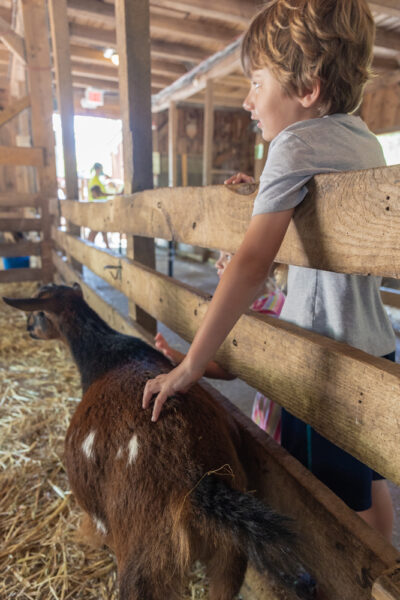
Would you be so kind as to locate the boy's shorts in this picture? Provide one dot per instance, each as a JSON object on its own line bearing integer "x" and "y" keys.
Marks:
{"x": 349, "y": 478}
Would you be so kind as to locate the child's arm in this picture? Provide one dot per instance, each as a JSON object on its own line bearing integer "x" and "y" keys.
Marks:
{"x": 239, "y": 285}
{"x": 213, "y": 370}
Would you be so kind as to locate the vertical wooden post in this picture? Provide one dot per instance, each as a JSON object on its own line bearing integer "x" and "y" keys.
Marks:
{"x": 65, "y": 100}
{"x": 39, "y": 76}
{"x": 62, "y": 65}
{"x": 172, "y": 169}
{"x": 133, "y": 42}
{"x": 208, "y": 133}
{"x": 172, "y": 140}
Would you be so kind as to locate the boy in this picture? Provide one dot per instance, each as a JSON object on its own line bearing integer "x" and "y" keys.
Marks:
{"x": 308, "y": 61}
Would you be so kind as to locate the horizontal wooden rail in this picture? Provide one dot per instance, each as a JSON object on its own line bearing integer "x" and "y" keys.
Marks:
{"x": 10, "y": 111}
{"x": 349, "y": 223}
{"x": 22, "y": 224}
{"x": 19, "y": 155}
{"x": 349, "y": 396}
{"x": 107, "y": 312}
{"x": 11, "y": 200}
{"x": 20, "y": 249}
{"x": 15, "y": 275}
{"x": 391, "y": 298}
{"x": 343, "y": 553}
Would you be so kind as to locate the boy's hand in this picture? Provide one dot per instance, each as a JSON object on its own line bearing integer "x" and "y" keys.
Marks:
{"x": 165, "y": 348}
{"x": 240, "y": 178}
{"x": 166, "y": 385}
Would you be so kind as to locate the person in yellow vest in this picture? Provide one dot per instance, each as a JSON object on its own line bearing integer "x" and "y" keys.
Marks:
{"x": 97, "y": 191}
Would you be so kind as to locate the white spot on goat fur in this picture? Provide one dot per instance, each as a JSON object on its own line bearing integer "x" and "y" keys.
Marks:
{"x": 101, "y": 528}
{"x": 119, "y": 453}
{"x": 133, "y": 449}
{"x": 87, "y": 445}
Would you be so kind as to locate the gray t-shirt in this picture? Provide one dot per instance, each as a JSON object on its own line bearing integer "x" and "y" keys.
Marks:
{"x": 344, "y": 307}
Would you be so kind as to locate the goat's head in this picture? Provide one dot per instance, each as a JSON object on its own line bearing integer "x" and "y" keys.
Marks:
{"x": 45, "y": 308}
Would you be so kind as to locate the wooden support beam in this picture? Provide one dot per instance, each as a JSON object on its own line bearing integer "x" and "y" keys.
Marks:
{"x": 16, "y": 275}
{"x": 317, "y": 379}
{"x": 34, "y": 14}
{"x": 239, "y": 12}
{"x": 217, "y": 66}
{"x": 93, "y": 10}
{"x": 133, "y": 36}
{"x": 65, "y": 101}
{"x": 387, "y": 39}
{"x": 215, "y": 34}
{"x": 13, "y": 200}
{"x": 14, "y": 109}
{"x": 14, "y": 42}
{"x": 100, "y": 84}
{"x": 20, "y": 249}
{"x": 208, "y": 133}
{"x": 22, "y": 224}
{"x": 172, "y": 149}
{"x": 386, "y": 7}
{"x": 19, "y": 155}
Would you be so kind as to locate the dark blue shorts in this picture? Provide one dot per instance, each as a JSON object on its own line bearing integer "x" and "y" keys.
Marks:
{"x": 349, "y": 478}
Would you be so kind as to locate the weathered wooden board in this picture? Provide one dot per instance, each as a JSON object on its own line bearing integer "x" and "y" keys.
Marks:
{"x": 12, "y": 200}
{"x": 107, "y": 312}
{"x": 349, "y": 222}
{"x": 391, "y": 298}
{"x": 22, "y": 224}
{"x": 18, "y": 155}
{"x": 14, "y": 109}
{"x": 387, "y": 586}
{"x": 343, "y": 553}
{"x": 38, "y": 60}
{"x": 12, "y": 275}
{"x": 335, "y": 388}
{"x": 20, "y": 249}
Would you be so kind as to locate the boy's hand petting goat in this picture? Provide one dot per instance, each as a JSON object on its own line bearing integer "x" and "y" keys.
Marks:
{"x": 160, "y": 495}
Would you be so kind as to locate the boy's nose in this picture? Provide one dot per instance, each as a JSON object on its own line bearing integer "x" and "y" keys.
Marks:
{"x": 248, "y": 103}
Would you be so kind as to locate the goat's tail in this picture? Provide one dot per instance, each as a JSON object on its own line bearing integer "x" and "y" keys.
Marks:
{"x": 264, "y": 535}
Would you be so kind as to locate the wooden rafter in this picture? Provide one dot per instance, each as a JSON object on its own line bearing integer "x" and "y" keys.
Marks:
{"x": 229, "y": 11}
{"x": 220, "y": 64}
{"x": 387, "y": 7}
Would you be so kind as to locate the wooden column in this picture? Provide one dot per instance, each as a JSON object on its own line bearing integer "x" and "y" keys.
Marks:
{"x": 62, "y": 65}
{"x": 208, "y": 133}
{"x": 133, "y": 42}
{"x": 40, "y": 83}
{"x": 65, "y": 101}
{"x": 172, "y": 143}
{"x": 172, "y": 169}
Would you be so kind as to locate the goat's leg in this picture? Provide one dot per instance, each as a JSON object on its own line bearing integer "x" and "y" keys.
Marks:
{"x": 226, "y": 570}
{"x": 136, "y": 583}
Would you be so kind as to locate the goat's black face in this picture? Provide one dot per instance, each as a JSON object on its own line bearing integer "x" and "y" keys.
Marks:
{"x": 41, "y": 327}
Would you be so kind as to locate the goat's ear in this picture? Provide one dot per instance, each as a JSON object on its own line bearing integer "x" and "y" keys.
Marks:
{"x": 32, "y": 304}
{"x": 77, "y": 288}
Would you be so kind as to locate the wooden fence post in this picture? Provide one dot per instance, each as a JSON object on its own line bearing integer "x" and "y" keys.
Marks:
{"x": 133, "y": 41}
{"x": 40, "y": 83}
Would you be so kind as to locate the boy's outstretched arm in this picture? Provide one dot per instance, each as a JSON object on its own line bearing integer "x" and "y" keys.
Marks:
{"x": 213, "y": 369}
{"x": 236, "y": 289}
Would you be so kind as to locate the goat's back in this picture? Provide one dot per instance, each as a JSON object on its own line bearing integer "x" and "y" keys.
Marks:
{"x": 124, "y": 469}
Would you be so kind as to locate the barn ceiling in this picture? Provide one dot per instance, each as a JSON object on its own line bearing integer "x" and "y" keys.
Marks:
{"x": 184, "y": 34}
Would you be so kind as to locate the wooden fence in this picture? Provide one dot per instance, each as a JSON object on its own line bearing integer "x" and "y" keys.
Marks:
{"x": 348, "y": 223}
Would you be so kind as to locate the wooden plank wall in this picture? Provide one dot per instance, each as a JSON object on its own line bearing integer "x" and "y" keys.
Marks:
{"x": 349, "y": 223}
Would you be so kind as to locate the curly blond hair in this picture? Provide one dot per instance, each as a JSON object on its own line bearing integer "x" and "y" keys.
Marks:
{"x": 302, "y": 41}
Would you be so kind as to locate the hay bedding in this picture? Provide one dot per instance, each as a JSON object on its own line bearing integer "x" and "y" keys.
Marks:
{"x": 39, "y": 557}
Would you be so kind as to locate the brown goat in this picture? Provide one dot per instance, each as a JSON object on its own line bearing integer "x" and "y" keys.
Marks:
{"x": 164, "y": 494}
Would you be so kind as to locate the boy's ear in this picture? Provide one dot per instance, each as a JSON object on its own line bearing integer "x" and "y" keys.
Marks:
{"x": 311, "y": 96}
